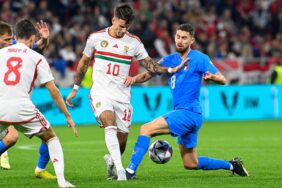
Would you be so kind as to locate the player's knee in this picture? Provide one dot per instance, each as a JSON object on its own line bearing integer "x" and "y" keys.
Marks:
{"x": 191, "y": 165}
{"x": 47, "y": 135}
{"x": 12, "y": 136}
{"x": 145, "y": 130}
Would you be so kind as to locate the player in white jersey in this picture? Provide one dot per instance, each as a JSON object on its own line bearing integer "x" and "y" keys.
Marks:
{"x": 19, "y": 69}
{"x": 10, "y": 134}
{"x": 113, "y": 49}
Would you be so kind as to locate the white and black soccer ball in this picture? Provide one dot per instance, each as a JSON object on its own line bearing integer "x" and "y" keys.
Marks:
{"x": 160, "y": 151}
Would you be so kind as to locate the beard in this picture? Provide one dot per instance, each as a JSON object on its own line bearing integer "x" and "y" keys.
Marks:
{"x": 182, "y": 50}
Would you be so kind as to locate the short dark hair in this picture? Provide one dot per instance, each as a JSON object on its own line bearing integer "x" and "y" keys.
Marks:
{"x": 5, "y": 28}
{"x": 124, "y": 12}
{"x": 24, "y": 29}
{"x": 187, "y": 27}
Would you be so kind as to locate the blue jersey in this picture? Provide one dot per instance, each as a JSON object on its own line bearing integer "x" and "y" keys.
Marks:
{"x": 185, "y": 84}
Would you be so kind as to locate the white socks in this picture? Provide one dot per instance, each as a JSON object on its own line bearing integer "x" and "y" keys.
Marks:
{"x": 113, "y": 146}
{"x": 57, "y": 157}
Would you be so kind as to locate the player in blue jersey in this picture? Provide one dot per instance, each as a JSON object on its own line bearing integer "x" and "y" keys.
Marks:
{"x": 9, "y": 136}
{"x": 185, "y": 120}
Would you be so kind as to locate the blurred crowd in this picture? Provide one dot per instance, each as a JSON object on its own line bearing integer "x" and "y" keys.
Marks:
{"x": 225, "y": 29}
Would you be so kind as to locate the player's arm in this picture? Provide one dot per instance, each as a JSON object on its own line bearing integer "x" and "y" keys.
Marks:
{"x": 154, "y": 67}
{"x": 80, "y": 72}
{"x": 139, "y": 78}
{"x": 217, "y": 78}
{"x": 57, "y": 97}
{"x": 43, "y": 30}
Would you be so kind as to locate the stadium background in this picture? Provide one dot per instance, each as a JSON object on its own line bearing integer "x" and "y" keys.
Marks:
{"x": 242, "y": 37}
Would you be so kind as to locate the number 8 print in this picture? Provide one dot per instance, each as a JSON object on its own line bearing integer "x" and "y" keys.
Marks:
{"x": 13, "y": 70}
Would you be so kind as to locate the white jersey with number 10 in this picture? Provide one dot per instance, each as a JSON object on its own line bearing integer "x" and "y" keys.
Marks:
{"x": 113, "y": 57}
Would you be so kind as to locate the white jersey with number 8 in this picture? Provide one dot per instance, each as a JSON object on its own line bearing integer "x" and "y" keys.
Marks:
{"x": 113, "y": 57}
{"x": 19, "y": 68}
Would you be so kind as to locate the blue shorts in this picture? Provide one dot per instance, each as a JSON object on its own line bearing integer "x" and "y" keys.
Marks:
{"x": 185, "y": 124}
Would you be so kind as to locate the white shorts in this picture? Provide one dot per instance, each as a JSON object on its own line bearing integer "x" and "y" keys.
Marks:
{"x": 33, "y": 127}
{"x": 122, "y": 111}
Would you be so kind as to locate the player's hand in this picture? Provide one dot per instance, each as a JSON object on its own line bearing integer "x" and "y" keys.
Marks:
{"x": 72, "y": 126}
{"x": 70, "y": 97}
{"x": 177, "y": 68}
{"x": 208, "y": 76}
{"x": 129, "y": 81}
{"x": 43, "y": 30}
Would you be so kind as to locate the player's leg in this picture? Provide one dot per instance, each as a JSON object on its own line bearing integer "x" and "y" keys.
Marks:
{"x": 107, "y": 119}
{"x": 40, "y": 170}
{"x": 8, "y": 137}
{"x": 156, "y": 127}
{"x": 41, "y": 127}
{"x": 188, "y": 151}
{"x": 104, "y": 111}
{"x": 111, "y": 169}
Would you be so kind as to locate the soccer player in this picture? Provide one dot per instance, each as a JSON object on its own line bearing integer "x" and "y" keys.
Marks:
{"x": 10, "y": 135}
{"x": 113, "y": 49}
{"x": 19, "y": 68}
{"x": 185, "y": 120}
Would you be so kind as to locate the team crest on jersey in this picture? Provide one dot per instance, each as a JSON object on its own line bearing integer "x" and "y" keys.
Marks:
{"x": 98, "y": 104}
{"x": 126, "y": 48}
{"x": 104, "y": 43}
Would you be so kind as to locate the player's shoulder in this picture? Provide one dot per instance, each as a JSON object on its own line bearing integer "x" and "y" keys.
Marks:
{"x": 132, "y": 37}
{"x": 171, "y": 56}
{"x": 98, "y": 33}
{"x": 198, "y": 54}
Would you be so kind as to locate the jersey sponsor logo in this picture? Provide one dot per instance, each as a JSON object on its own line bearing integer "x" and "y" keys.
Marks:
{"x": 104, "y": 43}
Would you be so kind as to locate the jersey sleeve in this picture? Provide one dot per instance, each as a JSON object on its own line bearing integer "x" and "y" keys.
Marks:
{"x": 165, "y": 61}
{"x": 44, "y": 73}
{"x": 207, "y": 65}
{"x": 89, "y": 48}
{"x": 140, "y": 52}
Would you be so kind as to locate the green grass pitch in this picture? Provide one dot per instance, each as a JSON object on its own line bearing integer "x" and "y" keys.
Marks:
{"x": 259, "y": 143}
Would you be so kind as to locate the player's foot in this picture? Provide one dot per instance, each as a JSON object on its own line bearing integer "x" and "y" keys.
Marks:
{"x": 65, "y": 184}
{"x": 130, "y": 176}
{"x": 121, "y": 175}
{"x": 44, "y": 175}
{"x": 238, "y": 167}
{"x": 111, "y": 172}
{"x": 4, "y": 162}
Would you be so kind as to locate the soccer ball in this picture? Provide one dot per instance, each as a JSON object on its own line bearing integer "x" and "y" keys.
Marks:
{"x": 160, "y": 151}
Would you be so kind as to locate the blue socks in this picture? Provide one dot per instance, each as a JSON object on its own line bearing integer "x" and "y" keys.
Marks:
{"x": 3, "y": 147}
{"x": 206, "y": 163}
{"x": 140, "y": 150}
{"x": 44, "y": 156}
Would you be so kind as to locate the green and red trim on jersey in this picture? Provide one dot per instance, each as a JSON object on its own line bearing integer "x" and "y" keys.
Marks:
{"x": 118, "y": 58}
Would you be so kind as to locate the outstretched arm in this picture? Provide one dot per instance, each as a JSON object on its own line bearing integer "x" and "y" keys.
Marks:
{"x": 217, "y": 78}
{"x": 154, "y": 67}
{"x": 80, "y": 72}
{"x": 43, "y": 30}
{"x": 139, "y": 78}
{"x": 57, "y": 97}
